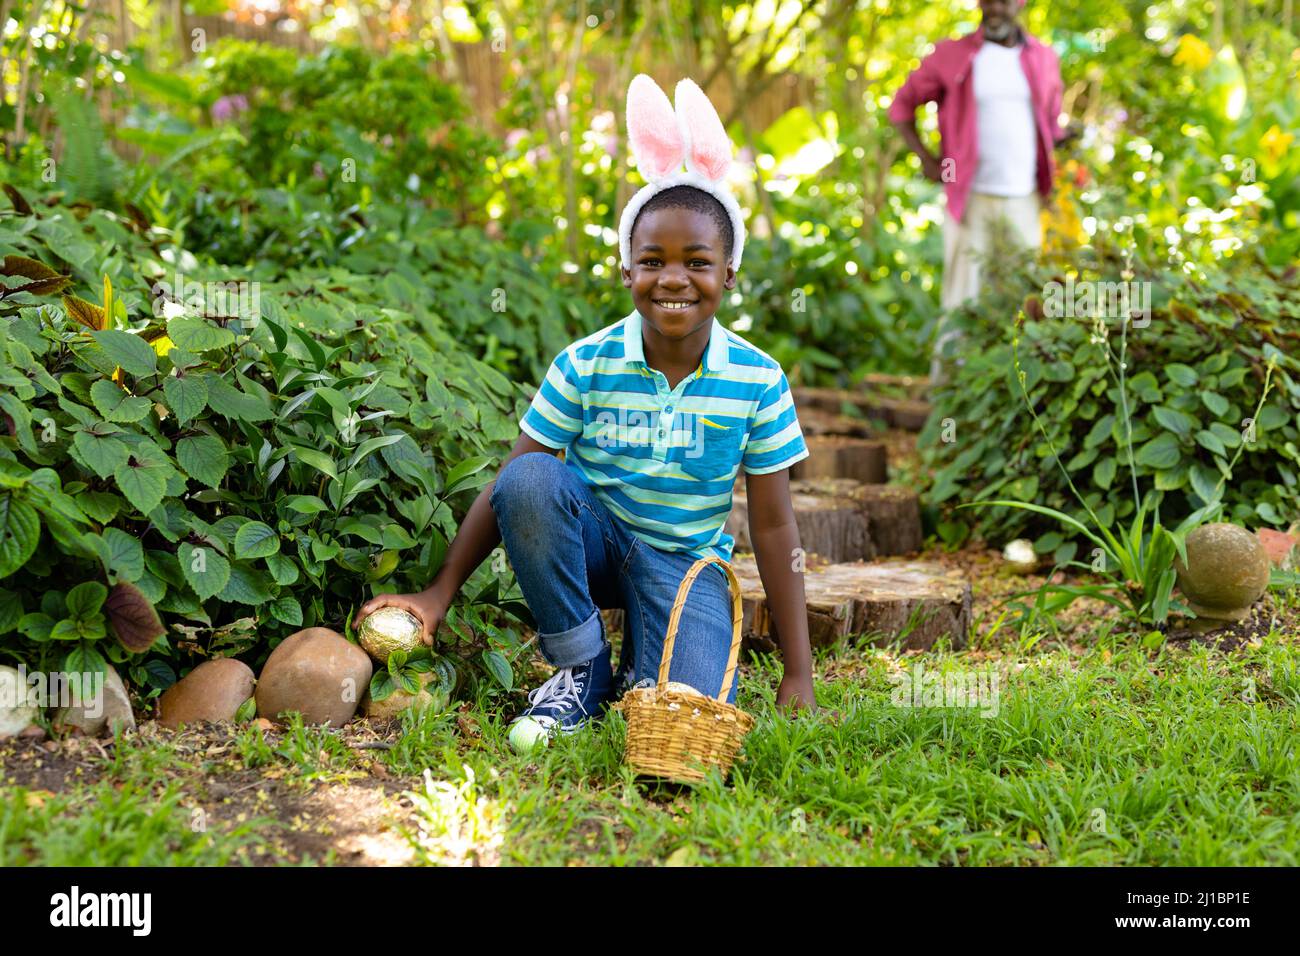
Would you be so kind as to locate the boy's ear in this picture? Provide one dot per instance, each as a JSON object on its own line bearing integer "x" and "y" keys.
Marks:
{"x": 730, "y": 281}
{"x": 627, "y": 277}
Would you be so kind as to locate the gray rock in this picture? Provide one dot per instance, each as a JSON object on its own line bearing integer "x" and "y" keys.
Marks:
{"x": 316, "y": 672}
{"x": 1226, "y": 572}
{"x": 95, "y": 714}
{"x": 212, "y": 691}
{"x": 16, "y": 715}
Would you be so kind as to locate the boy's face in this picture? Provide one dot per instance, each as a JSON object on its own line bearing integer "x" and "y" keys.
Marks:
{"x": 677, "y": 257}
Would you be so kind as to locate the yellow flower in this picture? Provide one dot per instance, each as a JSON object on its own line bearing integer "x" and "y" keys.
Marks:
{"x": 1275, "y": 142}
{"x": 1193, "y": 53}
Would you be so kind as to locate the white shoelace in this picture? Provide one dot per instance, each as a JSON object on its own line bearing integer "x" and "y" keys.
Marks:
{"x": 558, "y": 690}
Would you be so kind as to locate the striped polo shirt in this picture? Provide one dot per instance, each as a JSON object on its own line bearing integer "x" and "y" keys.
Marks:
{"x": 664, "y": 460}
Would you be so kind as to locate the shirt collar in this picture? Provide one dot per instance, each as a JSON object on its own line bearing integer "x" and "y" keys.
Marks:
{"x": 715, "y": 354}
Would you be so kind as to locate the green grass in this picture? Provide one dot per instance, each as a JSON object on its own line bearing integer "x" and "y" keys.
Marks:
{"x": 1134, "y": 760}
{"x": 1115, "y": 755}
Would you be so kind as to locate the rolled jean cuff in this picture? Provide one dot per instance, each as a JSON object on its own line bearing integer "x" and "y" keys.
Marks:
{"x": 577, "y": 645}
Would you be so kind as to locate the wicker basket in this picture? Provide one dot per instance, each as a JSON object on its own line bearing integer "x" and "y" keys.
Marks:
{"x": 676, "y": 735}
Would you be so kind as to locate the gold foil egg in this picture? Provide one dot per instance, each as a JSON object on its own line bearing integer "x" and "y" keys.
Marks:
{"x": 390, "y": 629}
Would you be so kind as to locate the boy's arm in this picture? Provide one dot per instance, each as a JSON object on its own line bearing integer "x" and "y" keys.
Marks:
{"x": 775, "y": 537}
{"x": 477, "y": 536}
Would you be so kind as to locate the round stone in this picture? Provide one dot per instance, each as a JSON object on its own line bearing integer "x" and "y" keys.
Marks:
{"x": 389, "y": 629}
{"x": 213, "y": 691}
{"x": 16, "y": 714}
{"x": 316, "y": 672}
{"x": 1226, "y": 571}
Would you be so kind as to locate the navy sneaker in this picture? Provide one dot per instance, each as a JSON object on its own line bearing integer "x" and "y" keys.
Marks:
{"x": 571, "y": 698}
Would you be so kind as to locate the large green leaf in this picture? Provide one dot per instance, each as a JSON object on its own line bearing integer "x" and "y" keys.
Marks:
{"x": 206, "y": 570}
{"x": 499, "y": 668}
{"x": 204, "y": 458}
{"x": 86, "y": 599}
{"x": 116, "y": 405}
{"x": 20, "y": 529}
{"x": 1163, "y": 451}
{"x": 256, "y": 540}
{"x": 134, "y": 354}
{"x": 126, "y": 554}
{"x": 187, "y": 395}
{"x": 199, "y": 335}
{"x": 101, "y": 449}
{"x": 316, "y": 459}
{"x": 246, "y": 585}
{"x": 1180, "y": 423}
{"x": 225, "y": 399}
{"x": 142, "y": 479}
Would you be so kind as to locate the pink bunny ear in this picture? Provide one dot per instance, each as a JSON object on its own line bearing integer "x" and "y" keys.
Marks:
{"x": 652, "y": 129}
{"x": 708, "y": 148}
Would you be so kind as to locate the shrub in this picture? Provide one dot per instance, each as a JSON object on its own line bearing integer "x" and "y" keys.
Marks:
{"x": 1194, "y": 377}
{"x": 240, "y": 474}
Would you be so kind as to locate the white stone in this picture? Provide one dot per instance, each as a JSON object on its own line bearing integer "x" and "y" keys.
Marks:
{"x": 16, "y": 715}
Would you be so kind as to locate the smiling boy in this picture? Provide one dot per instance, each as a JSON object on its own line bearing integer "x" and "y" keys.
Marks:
{"x": 656, "y": 414}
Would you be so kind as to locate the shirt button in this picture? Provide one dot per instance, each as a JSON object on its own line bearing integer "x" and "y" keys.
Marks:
{"x": 668, "y": 410}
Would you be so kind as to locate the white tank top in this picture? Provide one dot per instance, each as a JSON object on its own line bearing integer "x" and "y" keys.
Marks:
{"x": 1008, "y": 141}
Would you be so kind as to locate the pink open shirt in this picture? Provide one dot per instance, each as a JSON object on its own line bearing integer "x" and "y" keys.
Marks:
{"x": 944, "y": 77}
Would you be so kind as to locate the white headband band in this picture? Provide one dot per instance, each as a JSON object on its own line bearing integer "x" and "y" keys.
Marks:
{"x": 662, "y": 139}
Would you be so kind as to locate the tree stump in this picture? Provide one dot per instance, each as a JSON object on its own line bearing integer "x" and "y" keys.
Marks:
{"x": 838, "y": 456}
{"x": 893, "y": 513}
{"x": 910, "y": 386}
{"x": 836, "y": 528}
{"x": 916, "y": 601}
{"x": 818, "y": 421}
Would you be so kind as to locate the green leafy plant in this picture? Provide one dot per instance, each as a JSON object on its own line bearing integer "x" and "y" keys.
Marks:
{"x": 403, "y": 673}
{"x": 1136, "y": 565}
{"x": 237, "y": 475}
{"x": 1193, "y": 382}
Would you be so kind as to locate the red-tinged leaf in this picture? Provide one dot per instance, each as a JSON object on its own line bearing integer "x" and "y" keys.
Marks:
{"x": 85, "y": 313}
{"x": 132, "y": 618}
{"x": 26, "y": 268}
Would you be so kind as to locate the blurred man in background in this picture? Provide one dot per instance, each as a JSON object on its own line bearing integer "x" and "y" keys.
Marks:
{"x": 999, "y": 96}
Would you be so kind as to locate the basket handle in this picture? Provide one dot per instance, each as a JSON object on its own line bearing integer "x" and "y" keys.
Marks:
{"x": 736, "y": 610}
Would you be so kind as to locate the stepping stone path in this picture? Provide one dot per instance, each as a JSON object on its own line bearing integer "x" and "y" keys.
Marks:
{"x": 906, "y": 413}
{"x": 849, "y": 521}
{"x": 885, "y": 600}
{"x": 838, "y": 456}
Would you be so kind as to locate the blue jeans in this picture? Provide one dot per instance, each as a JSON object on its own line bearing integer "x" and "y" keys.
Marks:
{"x": 573, "y": 557}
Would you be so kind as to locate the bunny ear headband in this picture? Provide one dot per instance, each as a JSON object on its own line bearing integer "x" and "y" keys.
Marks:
{"x": 662, "y": 139}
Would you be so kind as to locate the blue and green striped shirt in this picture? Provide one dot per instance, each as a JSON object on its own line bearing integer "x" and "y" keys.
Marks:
{"x": 664, "y": 460}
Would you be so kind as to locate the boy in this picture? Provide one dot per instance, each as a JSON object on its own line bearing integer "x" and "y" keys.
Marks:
{"x": 656, "y": 414}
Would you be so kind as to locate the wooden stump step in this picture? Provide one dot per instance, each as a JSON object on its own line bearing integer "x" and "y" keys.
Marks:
{"x": 843, "y": 520}
{"x": 906, "y": 413}
{"x": 839, "y": 456}
{"x": 920, "y": 601}
{"x": 893, "y": 512}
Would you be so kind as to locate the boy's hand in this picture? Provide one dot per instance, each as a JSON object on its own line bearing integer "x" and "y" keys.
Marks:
{"x": 428, "y": 606}
{"x": 796, "y": 693}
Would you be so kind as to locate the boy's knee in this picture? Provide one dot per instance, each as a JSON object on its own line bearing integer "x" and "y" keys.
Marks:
{"x": 525, "y": 480}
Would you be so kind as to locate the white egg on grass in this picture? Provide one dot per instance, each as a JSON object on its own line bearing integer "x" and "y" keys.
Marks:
{"x": 527, "y": 735}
